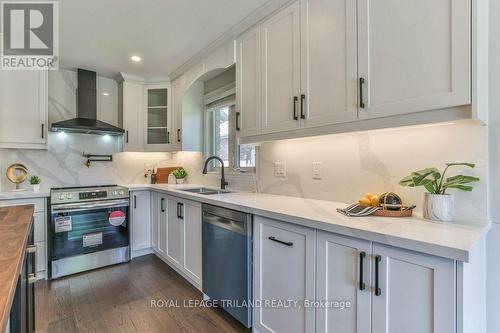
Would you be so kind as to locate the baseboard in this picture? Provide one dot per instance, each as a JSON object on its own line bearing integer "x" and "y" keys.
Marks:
{"x": 140, "y": 253}
{"x": 175, "y": 268}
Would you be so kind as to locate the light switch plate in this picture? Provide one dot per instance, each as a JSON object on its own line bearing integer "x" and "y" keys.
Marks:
{"x": 316, "y": 170}
{"x": 280, "y": 169}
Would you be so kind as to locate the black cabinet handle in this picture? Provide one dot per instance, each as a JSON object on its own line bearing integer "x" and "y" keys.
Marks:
{"x": 295, "y": 100}
{"x": 181, "y": 207}
{"x": 362, "y": 256}
{"x": 161, "y": 205}
{"x": 43, "y": 131}
{"x": 361, "y": 83}
{"x": 178, "y": 135}
{"x": 238, "y": 121}
{"x": 168, "y": 137}
{"x": 302, "y": 100}
{"x": 126, "y": 136}
{"x": 135, "y": 201}
{"x": 378, "y": 291}
{"x": 274, "y": 239}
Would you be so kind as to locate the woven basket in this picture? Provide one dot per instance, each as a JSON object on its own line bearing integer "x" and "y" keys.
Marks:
{"x": 393, "y": 213}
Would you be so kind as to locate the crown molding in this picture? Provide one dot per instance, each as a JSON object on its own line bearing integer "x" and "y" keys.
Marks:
{"x": 248, "y": 22}
{"x": 129, "y": 77}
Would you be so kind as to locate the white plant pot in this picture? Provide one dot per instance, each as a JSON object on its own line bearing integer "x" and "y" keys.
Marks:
{"x": 179, "y": 181}
{"x": 438, "y": 207}
{"x": 36, "y": 188}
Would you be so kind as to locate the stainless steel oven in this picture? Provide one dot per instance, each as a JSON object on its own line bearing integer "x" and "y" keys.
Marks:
{"x": 88, "y": 229}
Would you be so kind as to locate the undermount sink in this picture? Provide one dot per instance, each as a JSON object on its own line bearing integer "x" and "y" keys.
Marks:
{"x": 205, "y": 191}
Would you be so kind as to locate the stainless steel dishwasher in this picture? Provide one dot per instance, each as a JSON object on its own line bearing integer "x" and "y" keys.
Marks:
{"x": 227, "y": 261}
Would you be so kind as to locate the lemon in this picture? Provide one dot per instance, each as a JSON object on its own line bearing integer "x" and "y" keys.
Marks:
{"x": 365, "y": 202}
{"x": 375, "y": 201}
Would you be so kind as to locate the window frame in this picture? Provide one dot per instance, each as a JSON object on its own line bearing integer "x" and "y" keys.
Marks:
{"x": 211, "y": 105}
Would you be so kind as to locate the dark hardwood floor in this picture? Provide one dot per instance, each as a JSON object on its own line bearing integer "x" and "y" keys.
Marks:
{"x": 118, "y": 299}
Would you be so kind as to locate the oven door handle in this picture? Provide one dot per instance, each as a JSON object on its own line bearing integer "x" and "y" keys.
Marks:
{"x": 79, "y": 206}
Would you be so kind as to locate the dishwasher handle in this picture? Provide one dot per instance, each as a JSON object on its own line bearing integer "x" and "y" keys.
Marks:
{"x": 223, "y": 222}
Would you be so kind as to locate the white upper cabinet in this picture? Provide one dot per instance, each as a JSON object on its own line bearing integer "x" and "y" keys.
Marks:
{"x": 248, "y": 82}
{"x": 131, "y": 113}
{"x": 413, "y": 292}
{"x": 23, "y": 109}
{"x": 157, "y": 123}
{"x": 329, "y": 62}
{"x": 414, "y": 55}
{"x": 281, "y": 70}
{"x": 176, "y": 114}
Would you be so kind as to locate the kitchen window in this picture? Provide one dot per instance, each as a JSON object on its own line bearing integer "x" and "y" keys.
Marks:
{"x": 221, "y": 138}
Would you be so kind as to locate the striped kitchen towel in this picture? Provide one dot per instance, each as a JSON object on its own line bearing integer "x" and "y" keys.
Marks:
{"x": 357, "y": 210}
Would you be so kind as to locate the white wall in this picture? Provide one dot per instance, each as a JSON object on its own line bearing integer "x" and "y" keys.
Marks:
{"x": 493, "y": 240}
{"x": 375, "y": 161}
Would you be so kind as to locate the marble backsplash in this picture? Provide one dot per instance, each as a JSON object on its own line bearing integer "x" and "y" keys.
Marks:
{"x": 352, "y": 164}
{"x": 375, "y": 161}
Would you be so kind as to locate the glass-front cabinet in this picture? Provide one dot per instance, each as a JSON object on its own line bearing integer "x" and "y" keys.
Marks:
{"x": 158, "y": 134}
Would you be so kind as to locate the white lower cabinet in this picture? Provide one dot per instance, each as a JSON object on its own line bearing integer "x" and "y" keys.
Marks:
{"x": 140, "y": 222}
{"x": 175, "y": 230}
{"x": 176, "y": 234}
{"x": 192, "y": 216}
{"x": 358, "y": 286}
{"x": 283, "y": 270}
{"x": 417, "y": 292}
{"x": 159, "y": 205}
{"x": 343, "y": 275}
{"x": 39, "y": 221}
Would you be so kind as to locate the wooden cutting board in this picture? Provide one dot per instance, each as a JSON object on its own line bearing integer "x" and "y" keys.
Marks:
{"x": 163, "y": 173}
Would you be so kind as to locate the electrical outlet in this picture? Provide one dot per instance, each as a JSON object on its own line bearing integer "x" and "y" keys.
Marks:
{"x": 280, "y": 169}
{"x": 316, "y": 170}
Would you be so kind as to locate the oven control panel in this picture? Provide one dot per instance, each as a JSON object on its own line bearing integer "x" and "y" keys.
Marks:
{"x": 82, "y": 194}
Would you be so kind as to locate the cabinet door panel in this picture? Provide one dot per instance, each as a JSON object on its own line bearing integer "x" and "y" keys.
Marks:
{"x": 417, "y": 292}
{"x": 176, "y": 115}
{"x": 23, "y": 108}
{"x": 414, "y": 55}
{"x": 329, "y": 61}
{"x": 281, "y": 69}
{"x": 283, "y": 272}
{"x": 248, "y": 82}
{"x": 338, "y": 279}
{"x": 174, "y": 233}
{"x": 132, "y": 109}
{"x": 155, "y": 216}
{"x": 141, "y": 220}
{"x": 192, "y": 240}
{"x": 162, "y": 225}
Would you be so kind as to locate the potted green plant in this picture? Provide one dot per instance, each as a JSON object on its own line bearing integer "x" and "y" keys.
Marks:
{"x": 180, "y": 175}
{"x": 35, "y": 182}
{"x": 438, "y": 204}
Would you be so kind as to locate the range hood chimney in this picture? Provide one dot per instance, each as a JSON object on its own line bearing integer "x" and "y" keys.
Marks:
{"x": 86, "y": 112}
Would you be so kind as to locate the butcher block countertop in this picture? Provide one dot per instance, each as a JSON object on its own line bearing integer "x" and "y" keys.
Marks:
{"x": 15, "y": 226}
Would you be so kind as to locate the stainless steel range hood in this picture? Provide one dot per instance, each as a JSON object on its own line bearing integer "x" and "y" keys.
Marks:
{"x": 86, "y": 112}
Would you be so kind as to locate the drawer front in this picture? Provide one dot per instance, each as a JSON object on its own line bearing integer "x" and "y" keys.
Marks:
{"x": 38, "y": 202}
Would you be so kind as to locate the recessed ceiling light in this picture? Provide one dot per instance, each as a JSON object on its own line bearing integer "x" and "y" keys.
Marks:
{"x": 135, "y": 58}
{"x": 105, "y": 94}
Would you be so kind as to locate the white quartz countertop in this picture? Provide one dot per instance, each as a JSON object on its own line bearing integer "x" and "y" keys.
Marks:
{"x": 14, "y": 195}
{"x": 453, "y": 240}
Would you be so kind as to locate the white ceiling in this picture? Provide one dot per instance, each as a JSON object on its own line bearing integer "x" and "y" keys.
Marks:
{"x": 101, "y": 35}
